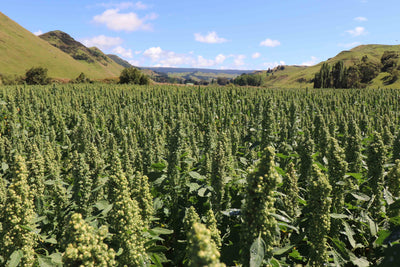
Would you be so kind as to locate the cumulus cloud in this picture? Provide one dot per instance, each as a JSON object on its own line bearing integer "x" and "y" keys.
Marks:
{"x": 270, "y": 43}
{"x": 134, "y": 62}
{"x": 238, "y": 60}
{"x": 361, "y": 19}
{"x": 255, "y": 55}
{"x": 313, "y": 61}
{"x": 349, "y": 45}
{"x": 126, "y": 53}
{"x": 141, "y": 6}
{"x": 114, "y": 20}
{"x": 164, "y": 58}
{"x": 102, "y": 41}
{"x": 210, "y": 38}
{"x": 271, "y": 65}
{"x": 357, "y": 31}
{"x": 39, "y": 32}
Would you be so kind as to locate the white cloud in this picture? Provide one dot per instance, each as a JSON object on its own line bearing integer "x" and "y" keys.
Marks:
{"x": 102, "y": 41}
{"x": 360, "y": 19}
{"x": 134, "y": 62}
{"x": 220, "y": 59}
{"x": 270, "y": 43}
{"x": 271, "y": 65}
{"x": 126, "y": 53}
{"x": 164, "y": 58}
{"x": 238, "y": 60}
{"x": 210, "y": 38}
{"x": 313, "y": 61}
{"x": 114, "y": 20}
{"x": 256, "y": 55}
{"x": 357, "y": 31}
{"x": 141, "y": 6}
{"x": 349, "y": 45}
{"x": 39, "y": 32}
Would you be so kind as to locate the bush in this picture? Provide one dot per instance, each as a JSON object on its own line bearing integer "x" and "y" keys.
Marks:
{"x": 37, "y": 75}
{"x": 133, "y": 76}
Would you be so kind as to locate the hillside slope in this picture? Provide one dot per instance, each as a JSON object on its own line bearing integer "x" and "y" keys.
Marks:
{"x": 91, "y": 57}
{"x": 301, "y": 76}
{"x": 21, "y": 50}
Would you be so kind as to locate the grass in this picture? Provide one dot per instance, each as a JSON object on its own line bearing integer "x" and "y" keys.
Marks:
{"x": 20, "y": 50}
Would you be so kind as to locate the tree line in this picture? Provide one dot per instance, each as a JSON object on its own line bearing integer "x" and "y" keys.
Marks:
{"x": 360, "y": 74}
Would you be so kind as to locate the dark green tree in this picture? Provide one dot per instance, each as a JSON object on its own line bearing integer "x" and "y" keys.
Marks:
{"x": 37, "y": 75}
{"x": 133, "y": 76}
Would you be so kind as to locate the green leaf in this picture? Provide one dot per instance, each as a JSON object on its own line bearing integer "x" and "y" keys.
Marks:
{"x": 388, "y": 196}
{"x": 295, "y": 255}
{"x": 349, "y": 233}
{"x": 257, "y": 252}
{"x": 4, "y": 166}
{"x": 280, "y": 251}
{"x": 193, "y": 187}
{"x": 156, "y": 260}
{"x": 288, "y": 226}
{"x": 56, "y": 258}
{"x": 202, "y": 192}
{"x": 360, "y": 262}
{"x": 280, "y": 170}
{"x": 50, "y": 240}
{"x": 45, "y": 262}
{"x": 280, "y": 217}
{"x": 196, "y": 175}
{"x": 161, "y": 231}
{"x": 355, "y": 175}
{"x": 274, "y": 262}
{"x": 159, "y": 166}
{"x": 361, "y": 196}
{"x": 104, "y": 206}
{"x": 15, "y": 258}
{"x": 382, "y": 234}
{"x": 282, "y": 156}
{"x": 339, "y": 216}
{"x": 341, "y": 248}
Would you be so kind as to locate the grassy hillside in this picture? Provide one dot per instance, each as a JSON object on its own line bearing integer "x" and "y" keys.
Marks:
{"x": 20, "y": 50}
{"x": 301, "y": 76}
{"x": 92, "y": 57}
{"x": 120, "y": 61}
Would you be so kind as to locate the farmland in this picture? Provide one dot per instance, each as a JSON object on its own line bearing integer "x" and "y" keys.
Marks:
{"x": 128, "y": 175}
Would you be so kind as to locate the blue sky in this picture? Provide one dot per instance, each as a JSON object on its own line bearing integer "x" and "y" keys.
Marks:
{"x": 253, "y": 34}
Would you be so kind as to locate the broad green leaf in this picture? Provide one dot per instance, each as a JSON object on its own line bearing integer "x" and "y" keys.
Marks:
{"x": 193, "y": 186}
{"x": 360, "y": 196}
{"x": 388, "y": 196}
{"x": 45, "y": 262}
{"x": 382, "y": 235}
{"x": 295, "y": 254}
{"x": 280, "y": 251}
{"x": 56, "y": 258}
{"x": 341, "y": 248}
{"x": 280, "y": 217}
{"x": 159, "y": 166}
{"x": 257, "y": 252}
{"x": 274, "y": 262}
{"x": 338, "y": 216}
{"x": 15, "y": 258}
{"x": 196, "y": 176}
{"x": 280, "y": 170}
{"x": 349, "y": 234}
{"x": 157, "y": 248}
{"x": 161, "y": 231}
{"x": 156, "y": 260}
{"x": 4, "y": 166}
{"x": 360, "y": 262}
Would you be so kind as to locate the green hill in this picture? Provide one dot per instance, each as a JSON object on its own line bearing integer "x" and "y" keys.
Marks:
{"x": 92, "y": 57}
{"x": 302, "y": 76}
{"x": 21, "y": 50}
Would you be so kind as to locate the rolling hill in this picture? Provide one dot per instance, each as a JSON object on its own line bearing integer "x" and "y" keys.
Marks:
{"x": 301, "y": 76}
{"x": 21, "y": 50}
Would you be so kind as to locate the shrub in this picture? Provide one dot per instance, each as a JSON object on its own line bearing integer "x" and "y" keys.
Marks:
{"x": 37, "y": 75}
{"x": 133, "y": 75}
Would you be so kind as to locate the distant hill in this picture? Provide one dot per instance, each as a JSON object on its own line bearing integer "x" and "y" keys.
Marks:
{"x": 21, "y": 50}
{"x": 194, "y": 70}
{"x": 120, "y": 61}
{"x": 302, "y": 76}
{"x": 92, "y": 57}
